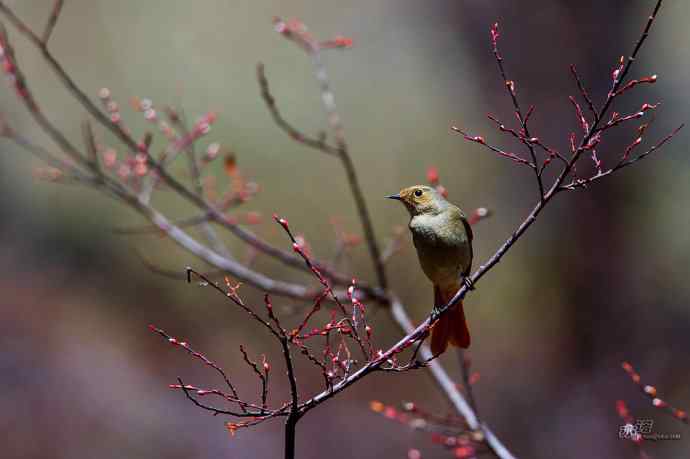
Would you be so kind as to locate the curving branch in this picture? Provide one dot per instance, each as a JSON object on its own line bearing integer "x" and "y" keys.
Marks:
{"x": 348, "y": 325}
{"x": 124, "y": 136}
{"x": 296, "y": 32}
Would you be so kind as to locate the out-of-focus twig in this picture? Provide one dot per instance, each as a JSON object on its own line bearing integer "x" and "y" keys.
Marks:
{"x": 296, "y": 32}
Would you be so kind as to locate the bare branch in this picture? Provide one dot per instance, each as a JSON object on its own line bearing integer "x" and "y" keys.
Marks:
{"x": 118, "y": 130}
{"x": 315, "y": 143}
{"x": 584, "y": 93}
{"x": 506, "y": 154}
{"x": 297, "y": 33}
{"x": 510, "y": 87}
{"x": 582, "y": 183}
{"x": 654, "y": 396}
{"x": 52, "y": 21}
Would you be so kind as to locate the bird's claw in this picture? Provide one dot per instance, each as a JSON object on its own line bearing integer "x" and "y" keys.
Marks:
{"x": 468, "y": 283}
{"x": 435, "y": 312}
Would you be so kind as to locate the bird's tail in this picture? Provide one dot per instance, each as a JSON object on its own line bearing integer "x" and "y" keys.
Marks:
{"x": 451, "y": 328}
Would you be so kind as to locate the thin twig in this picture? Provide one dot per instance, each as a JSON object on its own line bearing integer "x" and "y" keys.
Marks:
{"x": 242, "y": 233}
{"x": 52, "y": 20}
{"x": 510, "y": 88}
{"x": 313, "y": 49}
{"x": 584, "y": 93}
{"x": 422, "y": 329}
{"x": 315, "y": 143}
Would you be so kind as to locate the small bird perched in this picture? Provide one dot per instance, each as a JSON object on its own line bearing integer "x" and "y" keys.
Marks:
{"x": 443, "y": 239}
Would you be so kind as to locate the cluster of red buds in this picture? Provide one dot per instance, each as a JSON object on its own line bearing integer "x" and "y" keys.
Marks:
{"x": 296, "y": 31}
{"x": 200, "y": 128}
{"x": 254, "y": 412}
{"x": 625, "y": 415}
{"x": 451, "y": 432}
{"x": 634, "y": 429}
{"x": 333, "y": 334}
{"x": 652, "y": 393}
{"x": 133, "y": 167}
{"x": 337, "y": 346}
{"x": 345, "y": 326}
{"x": 146, "y": 107}
{"x": 590, "y": 121}
{"x": 110, "y": 106}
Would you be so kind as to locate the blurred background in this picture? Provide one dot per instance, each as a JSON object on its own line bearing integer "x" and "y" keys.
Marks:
{"x": 601, "y": 278}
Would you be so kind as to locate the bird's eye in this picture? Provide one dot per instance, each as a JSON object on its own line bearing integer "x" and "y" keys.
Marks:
{"x": 418, "y": 193}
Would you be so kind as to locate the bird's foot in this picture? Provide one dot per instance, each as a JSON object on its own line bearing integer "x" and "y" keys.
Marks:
{"x": 435, "y": 312}
{"x": 468, "y": 283}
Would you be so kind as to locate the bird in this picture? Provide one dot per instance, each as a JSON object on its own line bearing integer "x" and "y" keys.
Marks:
{"x": 443, "y": 239}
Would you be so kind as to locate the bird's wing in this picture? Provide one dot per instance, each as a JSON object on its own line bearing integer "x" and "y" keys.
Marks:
{"x": 457, "y": 214}
{"x": 468, "y": 228}
{"x": 470, "y": 236}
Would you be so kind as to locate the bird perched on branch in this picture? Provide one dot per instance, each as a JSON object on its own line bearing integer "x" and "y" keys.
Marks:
{"x": 443, "y": 239}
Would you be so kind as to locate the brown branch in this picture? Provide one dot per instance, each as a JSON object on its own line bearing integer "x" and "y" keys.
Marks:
{"x": 255, "y": 415}
{"x": 651, "y": 392}
{"x": 296, "y": 32}
{"x": 232, "y": 202}
{"x": 92, "y": 151}
{"x": 263, "y": 377}
{"x": 319, "y": 144}
{"x": 582, "y": 183}
{"x": 465, "y": 366}
{"x": 117, "y": 129}
{"x": 506, "y": 154}
{"x": 315, "y": 270}
{"x": 208, "y": 230}
{"x": 556, "y": 187}
{"x": 441, "y": 377}
{"x": 50, "y": 159}
{"x": 203, "y": 358}
{"x": 510, "y": 88}
{"x": 52, "y": 20}
{"x": 227, "y": 265}
{"x": 26, "y": 97}
{"x": 414, "y": 335}
{"x": 174, "y": 274}
{"x": 232, "y": 294}
{"x": 583, "y": 92}
{"x": 421, "y": 330}
{"x": 295, "y": 413}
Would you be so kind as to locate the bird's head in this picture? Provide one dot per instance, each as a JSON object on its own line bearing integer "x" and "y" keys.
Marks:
{"x": 421, "y": 199}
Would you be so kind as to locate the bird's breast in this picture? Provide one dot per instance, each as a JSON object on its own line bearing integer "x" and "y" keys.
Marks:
{"x": 442, "y": 246}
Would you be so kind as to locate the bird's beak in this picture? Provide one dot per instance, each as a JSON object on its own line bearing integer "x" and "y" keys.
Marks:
{"x": 394, "y": 196}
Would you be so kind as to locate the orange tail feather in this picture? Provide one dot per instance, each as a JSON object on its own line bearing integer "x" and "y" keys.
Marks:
{"x": 451, "y": 328}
